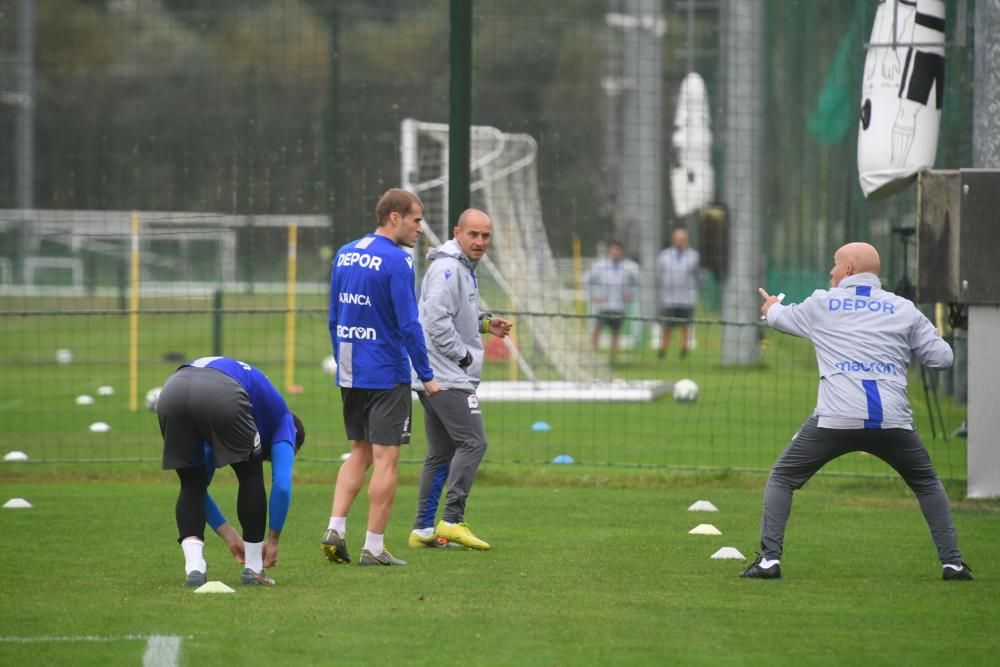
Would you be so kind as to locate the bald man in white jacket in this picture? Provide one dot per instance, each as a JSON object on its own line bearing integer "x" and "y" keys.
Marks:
{"x": 864, "y": 338}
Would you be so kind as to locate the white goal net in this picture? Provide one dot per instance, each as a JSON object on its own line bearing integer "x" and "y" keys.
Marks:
{"x": 520, "y": 272}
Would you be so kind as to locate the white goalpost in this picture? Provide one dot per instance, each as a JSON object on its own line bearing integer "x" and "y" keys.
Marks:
{"x": 520, "y": 273}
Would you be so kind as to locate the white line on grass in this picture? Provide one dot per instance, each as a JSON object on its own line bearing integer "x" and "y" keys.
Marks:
{"x": 75, "y": 638}
{"x": 162, "y": 651}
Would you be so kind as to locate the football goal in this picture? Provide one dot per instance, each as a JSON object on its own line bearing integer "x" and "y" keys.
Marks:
{"x": 520, "y": 274}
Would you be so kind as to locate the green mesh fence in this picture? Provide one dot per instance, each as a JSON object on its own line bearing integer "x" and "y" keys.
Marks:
{"x": 200, "y": 134}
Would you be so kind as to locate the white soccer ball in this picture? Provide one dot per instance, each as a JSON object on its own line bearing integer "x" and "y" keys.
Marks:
{"x": 152, "y": 397}
{"x": 64, "y": 356}
{"x": 685, "y": 390}
{"x": 329, "y": 365}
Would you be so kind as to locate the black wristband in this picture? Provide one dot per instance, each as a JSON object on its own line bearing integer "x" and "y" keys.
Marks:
{"x": 466, "y": 360}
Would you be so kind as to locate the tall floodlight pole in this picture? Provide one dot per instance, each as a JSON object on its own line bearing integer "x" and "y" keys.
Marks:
{"x": 26, "y": 107}
{"x": 642, "y": 159}
{"x": 984, "y": 319}
{"x": 460, "y": 116}
{"x": 24, "y": 195}
{"x": 742, "y": 32}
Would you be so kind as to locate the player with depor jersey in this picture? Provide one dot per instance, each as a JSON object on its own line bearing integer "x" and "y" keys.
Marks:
{"x": 864, "y": 338}
{"x": 231, "y": 408}
{"x": 376, "y": 335}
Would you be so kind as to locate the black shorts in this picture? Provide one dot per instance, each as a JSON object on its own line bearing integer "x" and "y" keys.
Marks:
{"x": 671, "y": 314}
{"x": 926, "y": 71}
{"x": 378, "y": 416}
{"x": 198, "y": 405}
{"x": 613, "y": 319}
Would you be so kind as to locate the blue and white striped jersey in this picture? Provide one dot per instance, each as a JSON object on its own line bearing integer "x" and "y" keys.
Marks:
{"x": 374, "y": 325}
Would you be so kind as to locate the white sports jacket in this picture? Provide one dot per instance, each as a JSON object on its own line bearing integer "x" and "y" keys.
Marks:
{"x": 864, "y": 338}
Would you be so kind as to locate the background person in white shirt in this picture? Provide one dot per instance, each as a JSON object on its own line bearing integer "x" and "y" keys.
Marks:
{"x": 679, "y": 269}
{"x": 611, "y": 284}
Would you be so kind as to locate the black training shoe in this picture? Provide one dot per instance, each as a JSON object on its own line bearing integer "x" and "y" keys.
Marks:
{"x": 335, "y": 547}
{"x": 951, "y": 574}
{"x": 755, "y": 571}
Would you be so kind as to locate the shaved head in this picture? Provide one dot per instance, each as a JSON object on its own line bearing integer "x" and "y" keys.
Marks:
{"x": 862, "y": 256}
{"x": 854, "y": 258}
{"x": 473, "y": 233}
{"x": 471, "y": 215}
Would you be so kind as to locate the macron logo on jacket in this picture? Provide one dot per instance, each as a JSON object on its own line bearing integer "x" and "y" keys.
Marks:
{"x": 864, "y": 338}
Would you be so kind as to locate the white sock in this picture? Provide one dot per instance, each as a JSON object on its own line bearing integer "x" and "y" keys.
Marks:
{"x": 957, "y": 568}
{"x": 767, "y": 564}
{"x": 194, "y": 555}
{"x": 425, "y": 533}
{"x": 374, "y": 543}
{"x": 339, "y": 524}
{"x": 254, "y": 552}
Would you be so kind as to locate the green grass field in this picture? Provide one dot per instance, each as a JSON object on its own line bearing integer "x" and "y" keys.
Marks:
{"x": 742, "y": 420}
{"x": 587, "y": 568}
{"x": 592, "y": 562}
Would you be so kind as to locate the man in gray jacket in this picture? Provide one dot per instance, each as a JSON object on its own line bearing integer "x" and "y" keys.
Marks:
{"x": 453, "y": 327}
{"x": 864, "y": 337}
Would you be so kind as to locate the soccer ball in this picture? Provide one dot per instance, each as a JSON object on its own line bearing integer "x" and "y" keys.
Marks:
{"x": 152, "y": 397}
{"x": 64, "y": 356}
{"x": 329, "y": 365}
{"x": 685, "y": 390}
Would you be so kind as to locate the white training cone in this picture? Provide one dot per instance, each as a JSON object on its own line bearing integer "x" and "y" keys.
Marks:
{"x": 100, "y": 427}
{"x": 84, "y": 399}
{"x": 703, "y": 506}
{"x": 17, "y": 504}
{"x": 704, "y": 529}
{"x": 15, "y": 456}
{"x": 105, "y": 390}
{"x": 728, "y": 553}
{"x": 214, "y": 587}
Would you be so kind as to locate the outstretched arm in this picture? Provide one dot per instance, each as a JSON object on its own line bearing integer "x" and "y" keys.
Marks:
{"x": 216, "y": 519}
{"x": 282, "y": 460}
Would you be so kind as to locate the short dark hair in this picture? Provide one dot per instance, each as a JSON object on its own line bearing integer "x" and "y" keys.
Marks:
{"x": 300, "y": 433}
{"x": 615, "y": 242}
{"x": 395, "y": 200}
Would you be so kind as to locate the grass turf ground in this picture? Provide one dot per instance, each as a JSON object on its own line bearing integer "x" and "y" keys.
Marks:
{"x": 742, "y": 420}
{"x": 588, "y": 568}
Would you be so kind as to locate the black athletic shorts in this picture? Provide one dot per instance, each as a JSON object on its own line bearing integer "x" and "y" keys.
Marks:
{"x": 378, "y": 416}
{"x": 673, "y": 313}
{"x": 198, "y": 405}
{"x": 613, "y": 319}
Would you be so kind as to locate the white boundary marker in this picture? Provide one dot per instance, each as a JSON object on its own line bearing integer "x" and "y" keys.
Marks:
{"x": 557, "y": 390}
{"x": 161, "y": 650}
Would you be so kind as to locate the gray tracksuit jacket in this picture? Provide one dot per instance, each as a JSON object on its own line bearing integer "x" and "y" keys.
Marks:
{"x": 450, "y": 315}
{"x": 864, "y": 338}
{"x": 680, "y": 276}
{"x": 610, "y": 285}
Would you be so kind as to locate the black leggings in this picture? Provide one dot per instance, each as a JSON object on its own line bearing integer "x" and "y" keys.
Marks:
{"x": 251, "y": 500}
